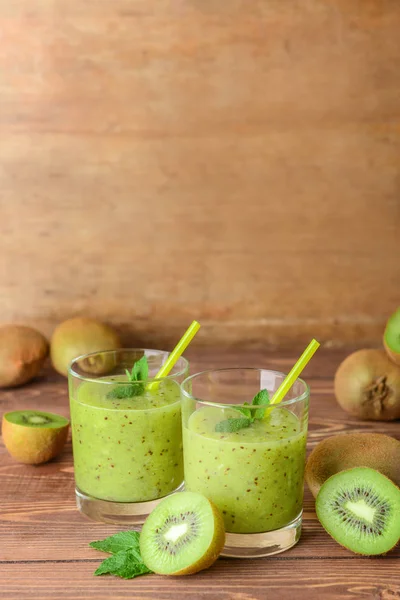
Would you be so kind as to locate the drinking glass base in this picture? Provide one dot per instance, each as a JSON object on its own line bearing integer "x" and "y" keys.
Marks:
{"x": 253, "y": 545}
{"x": 120, "y": 513}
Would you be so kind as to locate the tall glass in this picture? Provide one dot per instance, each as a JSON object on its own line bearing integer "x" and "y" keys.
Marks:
{"x": 249, "y": 460}
{"x": 127, "y": 442}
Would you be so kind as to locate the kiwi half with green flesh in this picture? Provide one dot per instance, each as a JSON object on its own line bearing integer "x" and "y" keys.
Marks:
{"x": 391, "y": 337}
{"x": 33, "y": 437}
{"x": 360, "y": 509}
{"x": 79, "y": 336}
{"x": 367, "y": 385}
{"x": 23, "y": 351}
{"x": 342, "y": 452}
{"x": 184, "y": 534}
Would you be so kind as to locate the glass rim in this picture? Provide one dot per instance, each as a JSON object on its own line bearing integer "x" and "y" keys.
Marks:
{"x": 297, "y": 399}
{"x": 171, "y": 376}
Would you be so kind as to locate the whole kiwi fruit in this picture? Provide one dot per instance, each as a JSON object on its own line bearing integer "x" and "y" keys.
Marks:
{"x": 79, "y": 336}
{"x": 367, "y": 385}
{"x": 23, "y": 351}
{"x": 345, "y": 451}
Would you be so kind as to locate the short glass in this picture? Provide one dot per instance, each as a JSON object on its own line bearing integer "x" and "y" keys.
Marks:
{"x": 127, "y": 450}
{"x": 253, "y": 471}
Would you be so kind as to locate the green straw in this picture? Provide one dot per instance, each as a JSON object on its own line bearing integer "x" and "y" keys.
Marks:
{"x": 295, "y": 372}
{"x": 175, "y": 354}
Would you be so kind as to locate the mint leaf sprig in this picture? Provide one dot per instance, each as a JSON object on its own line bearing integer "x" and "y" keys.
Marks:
{"x": 139, "y": 373}
{"x": 262, "y": 398}
{"x": 126, "y": 561}
{"x": 232, "y": 425}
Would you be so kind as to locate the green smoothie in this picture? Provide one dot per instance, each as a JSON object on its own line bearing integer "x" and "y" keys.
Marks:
{"x": 129, "y": 449}
{"x": 254, "y": 475}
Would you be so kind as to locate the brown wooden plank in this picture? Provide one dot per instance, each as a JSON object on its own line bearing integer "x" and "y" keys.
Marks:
{"x": 166, "y": 160}
{"x": 275, "y": 579}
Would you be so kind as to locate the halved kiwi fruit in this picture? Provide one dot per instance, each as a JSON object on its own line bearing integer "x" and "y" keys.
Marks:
{"x": 34, "y": 437}
{"x": 367, "y": 385}
{"x": 184, "y": 534}
{"x": 23, "y": 351}
{"x": 360, "y": 509}
{"x": 79, "y": 336}
{"x": 391, "y": 337}
{"x": 342, "y": 452}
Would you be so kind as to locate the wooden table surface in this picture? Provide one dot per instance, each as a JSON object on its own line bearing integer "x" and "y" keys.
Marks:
{"x": 44, "y": 551}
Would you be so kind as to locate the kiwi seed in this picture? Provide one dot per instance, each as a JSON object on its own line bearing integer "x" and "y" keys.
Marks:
{"x": 34, "y": 437}
{"x": 360, "y": 509}
{"x": 184, "y": 534}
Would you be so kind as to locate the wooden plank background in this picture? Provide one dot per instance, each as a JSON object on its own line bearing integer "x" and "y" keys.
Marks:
{"x": 235, "y": 162}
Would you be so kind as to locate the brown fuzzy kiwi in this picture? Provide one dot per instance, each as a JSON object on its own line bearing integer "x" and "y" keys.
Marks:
{"x": 34, "y": 437}
{"x": 79, "y": 336}
{"x": 367, "y": 385}
{"x": 341, "y": 452}
{"x": 23, "y": 351}
{"x": 391, "y": 337}
{"x": 98, "y": 363}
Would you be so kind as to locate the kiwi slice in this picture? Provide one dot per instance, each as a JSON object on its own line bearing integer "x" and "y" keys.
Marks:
{"x": 79, "y": 336}
{"x": 33, "y": 437}
{"x": 360, "y": 509}
{"x": 391, "y": 337}
{"x": 341, "y": 452}
{"x": 367, "y": 385}
{"x": 184, "y": 534}
{"x": 23, "y": 351}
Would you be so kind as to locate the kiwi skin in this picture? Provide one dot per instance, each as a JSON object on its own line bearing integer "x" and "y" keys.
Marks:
{"x": 33, "y": 445}
{"x": 393, "y": 322}
{"x": 214, "y": 549}
{"x": 341, "y": 452}
{"x": 367, "y": 385}
{"x": 79, "y": 336}
{"x": 23, "y": 351}
{"x": 329, "y": 530}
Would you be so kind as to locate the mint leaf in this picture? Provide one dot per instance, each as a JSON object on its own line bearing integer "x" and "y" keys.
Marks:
{"x": 125, "y": 563}
{"x": 261, "y": 398}
{"x": 125, "y": 391}
{"x": 120, "y": 392}
{"x": 126, "y": 560}
{"x": 245, "y": 411}
{"x": 232, "y": 425}
{"x": 120, "y": 541}
{"x": 140, "y": 372}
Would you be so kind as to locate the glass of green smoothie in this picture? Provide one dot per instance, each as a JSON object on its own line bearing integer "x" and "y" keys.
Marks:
{"x": 126, "y": 432}
{"x": 247, "y": 455}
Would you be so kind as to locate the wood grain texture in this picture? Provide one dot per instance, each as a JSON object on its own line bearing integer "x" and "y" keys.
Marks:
{"x": 163, "y": 161}
{"x": 342, "y": 579}
{"x": 44, "y": 540}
